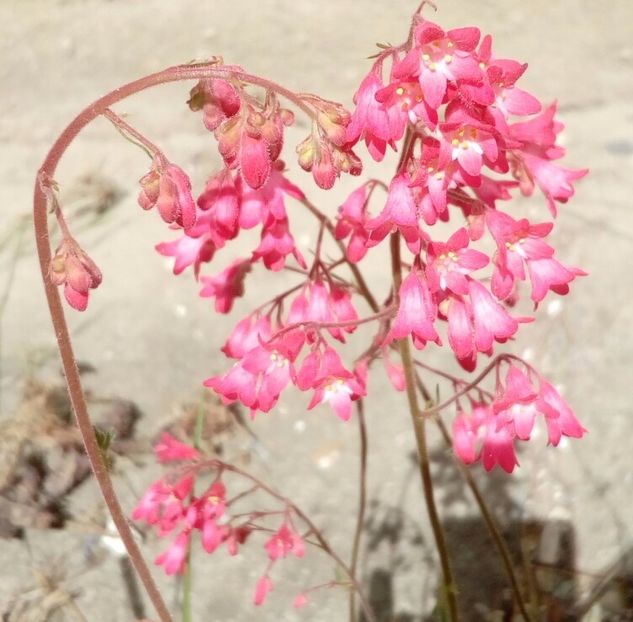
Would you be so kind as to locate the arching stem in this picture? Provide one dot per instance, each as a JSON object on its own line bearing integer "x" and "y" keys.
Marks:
{"x": 40, "y": 217}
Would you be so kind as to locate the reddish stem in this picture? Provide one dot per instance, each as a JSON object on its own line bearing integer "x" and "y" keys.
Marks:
{"x": 388, "y": 312}
{"x": 47, "y": 172}
{"x": 320, "y": 538}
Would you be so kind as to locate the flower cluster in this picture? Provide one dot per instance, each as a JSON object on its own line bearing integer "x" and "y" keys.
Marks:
{"x": 468, "y": 136}
{"x": 489, "y": 430}
{"x": 267, "y": 359}
{"x": 173, "y": 508}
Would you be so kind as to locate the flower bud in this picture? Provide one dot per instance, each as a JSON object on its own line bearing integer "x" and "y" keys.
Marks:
{"x": 167, "y": 187}
{"x": 324, "y": 171}
{"x": 218, "y": 99}
{"x": 72, "y": 268}
{"x": 306, "y": 151}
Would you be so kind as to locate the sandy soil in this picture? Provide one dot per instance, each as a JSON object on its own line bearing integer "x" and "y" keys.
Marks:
{"x": 152, "y": 340}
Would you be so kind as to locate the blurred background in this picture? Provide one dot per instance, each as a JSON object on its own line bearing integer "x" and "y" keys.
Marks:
{"x": 147, "y": 341}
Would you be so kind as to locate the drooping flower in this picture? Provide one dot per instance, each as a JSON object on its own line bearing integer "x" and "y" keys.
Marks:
{"x": 258, "y": 204}
{"x": 327, "y": 160}
{"x": 533, "y": 163}
{"x": 399, "y": 214}
{"x": 276, "y": 244}
{"x": 383, "y": 112}
{"x": 218, "y": 99}
{"x": 170, "y": 449}
{"x": 252, "y": 139}
{"x": 520, "y": 243}
{"x": 175, "y": 557}
{"x": 475, "y": 322}
{"x": 440, "y": 58}
{"x": 194, "y": 247}
{"x": 351, "y": 221}
{"x": 221, "y": 203}
{"x": 416, "y": 312}
{"x": 262, "y": 588}
{"x": 168, "y": 188}
{"x": 283, "y": 542}
{"x": 260, "y": 376}
{"x": 450, "y": 262}
{"x": 226, "y": 286}
{"x": 248, "y": 333}
{"x": 319, "y": 303}
{"x": 490, "y": 430}
{"x": 559, "y": 417}
{"x": 73, "y": 268}
{"x": 323, "y": 371}
{"x": 164, "y": 503}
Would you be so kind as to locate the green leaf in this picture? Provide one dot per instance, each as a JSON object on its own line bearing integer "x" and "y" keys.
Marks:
{"x": 105, "y": 438}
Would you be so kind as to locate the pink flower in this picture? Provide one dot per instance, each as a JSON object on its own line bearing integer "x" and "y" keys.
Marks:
{"x": 416, "y": 312}
{"x": 327, "y": 160}
{"x": 550, "y": 274}
{"x": 168, "y": 188}
{"x": 284, "y": 542}
{"x": 491, "y": 321}
{"x": 370, "y": 120}
{"x": 320, "y": 304}
{"x": 257, "y": 204}
{"x": 226, "y": 286}
{"x": 532, "y": 162}
{"x": 395, "y": 373}
{"x": 404, "y": 102}
{"x": 248, "y": 333}
{"x": 174, "y": 558}
{"x": 72, "y": 268}
{"x": 264, "y": 585}
{"x": 236, "y": 537}
{"x": 255, "y": 161}
{"x": 515, "y": 404}
{"x": 163, "y": 504}
{"x": 465, "y": 432}
{"x": 193, "y": 248}
{"x": 449, "y": 263}
{"x": 400, "y": 213}
{"x": 471, "y": 144}
{"x": 475, "y": 322}
{"x": 383, "y": 112}
{"x": 433, "y": 177}
{"x": 559, "y": 417}
{"x": 260, "y": 376}
{"x": 205, "y": 514}
{"x": 502, "y": 75}
{"x": 324, "y": 372}
{"x": 498, "y": 448}
{"x": 252, "y": 140}
{"x": 221, "y": 202}
{"x": 218, "y": 100}
{"x": 477, "y": 434}
{"x": 276, "y": 244}
{"x": 170, "y": 449}
{"x": 511, "y": 416}
{"x": 301, "y": 600}
{"x": 440, "y": 58}
{"x": 351, "y": 221}
{"x": 521, "y": 243}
